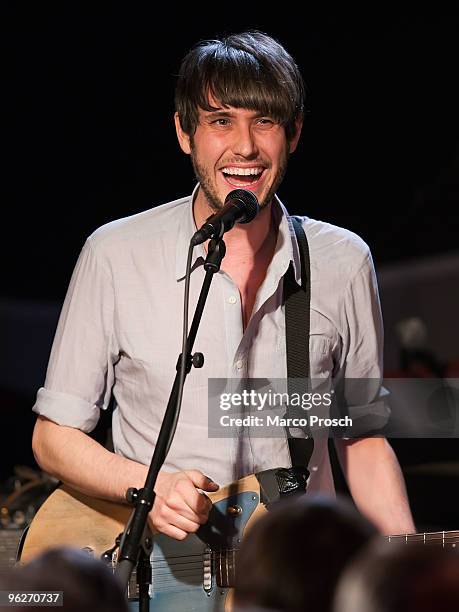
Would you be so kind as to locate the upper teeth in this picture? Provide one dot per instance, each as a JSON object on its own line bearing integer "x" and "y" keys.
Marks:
{"x": 242, "y": 171}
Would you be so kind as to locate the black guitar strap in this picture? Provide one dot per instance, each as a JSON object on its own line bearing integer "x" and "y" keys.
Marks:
{"x": 297, "y": 321}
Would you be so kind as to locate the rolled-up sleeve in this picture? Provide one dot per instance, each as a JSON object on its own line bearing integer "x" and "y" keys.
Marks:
{"x": 360, "y": 377}
{"x": 80, "y": 370}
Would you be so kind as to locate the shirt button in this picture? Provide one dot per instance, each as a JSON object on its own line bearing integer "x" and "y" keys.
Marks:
{"x": 232, "y": 299}
{"x": 239, "y": 364}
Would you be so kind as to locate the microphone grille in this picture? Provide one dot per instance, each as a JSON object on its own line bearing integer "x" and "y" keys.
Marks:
{"x": 249, "y": 201}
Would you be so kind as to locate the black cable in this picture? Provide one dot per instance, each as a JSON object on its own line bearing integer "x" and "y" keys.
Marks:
{"x": 183, "y": 360}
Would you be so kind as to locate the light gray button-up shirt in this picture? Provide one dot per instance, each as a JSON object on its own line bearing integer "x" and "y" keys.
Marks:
{"x": 120, "y": 332}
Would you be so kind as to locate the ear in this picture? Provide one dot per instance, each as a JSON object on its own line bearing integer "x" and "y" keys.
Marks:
{"x": 296, "y": 137}
{"x": 183, "y": 137}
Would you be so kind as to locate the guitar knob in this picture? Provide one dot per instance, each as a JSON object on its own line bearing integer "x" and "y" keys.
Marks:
{"x": 234, "y": 510}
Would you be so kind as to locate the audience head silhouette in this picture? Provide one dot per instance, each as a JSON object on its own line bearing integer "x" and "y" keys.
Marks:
{"x": 389, "y": 577}
{"x": 293, "y": 556}
{"x": 87, "y": 583}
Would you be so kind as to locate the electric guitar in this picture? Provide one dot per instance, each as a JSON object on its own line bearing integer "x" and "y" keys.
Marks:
{"x": 196, "y": 574}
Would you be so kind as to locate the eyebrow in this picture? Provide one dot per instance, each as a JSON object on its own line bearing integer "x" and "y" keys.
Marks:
{"x": 217, "y": 114}
{"x": 226, "y": 113}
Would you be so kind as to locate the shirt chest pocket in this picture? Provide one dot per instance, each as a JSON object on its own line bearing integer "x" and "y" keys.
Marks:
{"x": 321, "y": 356}
{"x": 324, "y": 345}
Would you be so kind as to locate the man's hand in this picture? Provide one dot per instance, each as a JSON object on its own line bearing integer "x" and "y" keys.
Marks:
{"x": 179, "y": 507}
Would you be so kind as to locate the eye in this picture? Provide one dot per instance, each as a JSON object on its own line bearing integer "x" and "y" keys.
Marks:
{"x": 222, "y": 121}
{"x": 265, "y": 121}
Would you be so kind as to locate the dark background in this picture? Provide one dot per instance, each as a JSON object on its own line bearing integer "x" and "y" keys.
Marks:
{"x": 88, "y": 132}
{"x": 88, "y": 135}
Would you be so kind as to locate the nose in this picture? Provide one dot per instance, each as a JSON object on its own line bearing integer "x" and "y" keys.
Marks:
{"x": 244, "y": 141}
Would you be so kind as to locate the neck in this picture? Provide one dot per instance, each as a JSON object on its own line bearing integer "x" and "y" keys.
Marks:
{"x": 244, "y": 242}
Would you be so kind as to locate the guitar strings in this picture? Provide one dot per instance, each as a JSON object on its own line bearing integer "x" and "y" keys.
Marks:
{"x": 215, "y": 555}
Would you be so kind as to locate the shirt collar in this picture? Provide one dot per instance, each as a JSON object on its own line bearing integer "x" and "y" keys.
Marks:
{"x": 286, "y": 250}
{"x": 187, "y": 227}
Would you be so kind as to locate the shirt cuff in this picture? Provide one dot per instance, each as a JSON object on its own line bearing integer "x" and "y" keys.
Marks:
{"x": 66, "y": 409}
{"x": 369, "y": 419}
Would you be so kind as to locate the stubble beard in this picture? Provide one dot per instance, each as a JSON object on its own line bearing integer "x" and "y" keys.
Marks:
{"x": 209, "y": 188}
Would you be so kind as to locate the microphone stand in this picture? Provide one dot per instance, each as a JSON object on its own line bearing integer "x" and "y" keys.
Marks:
{"x": 136, "y": 542}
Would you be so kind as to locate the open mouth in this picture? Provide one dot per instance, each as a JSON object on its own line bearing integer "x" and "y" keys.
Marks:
{"x": 243, "y": 177}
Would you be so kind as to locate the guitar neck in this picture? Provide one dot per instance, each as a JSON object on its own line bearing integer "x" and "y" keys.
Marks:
{"x": 440, "y": 538}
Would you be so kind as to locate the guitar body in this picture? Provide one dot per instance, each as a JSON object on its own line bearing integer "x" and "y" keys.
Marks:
{"x": 195, "y": 574}
{"x": 187, "y": 575}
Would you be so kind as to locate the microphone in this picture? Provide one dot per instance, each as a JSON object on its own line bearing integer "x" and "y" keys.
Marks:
{"x": 240, "y": 205}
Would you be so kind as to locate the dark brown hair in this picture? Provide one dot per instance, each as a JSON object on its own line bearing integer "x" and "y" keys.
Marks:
{"x": 292, "y": 557}
{"x": 399, "y": 577}
{"x": 248, "y": 70}
{"x": 87, "y": 583}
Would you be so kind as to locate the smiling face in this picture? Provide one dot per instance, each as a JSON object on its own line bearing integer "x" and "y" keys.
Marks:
{"x": 237, "y": 148}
